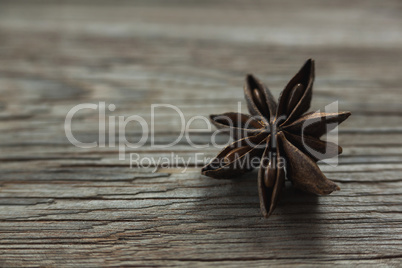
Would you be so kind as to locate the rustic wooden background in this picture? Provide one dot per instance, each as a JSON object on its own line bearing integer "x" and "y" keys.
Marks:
{"x": 66, "y": 206}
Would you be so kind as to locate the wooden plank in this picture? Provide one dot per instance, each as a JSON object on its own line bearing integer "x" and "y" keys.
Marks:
{"x": 61, "y": 205}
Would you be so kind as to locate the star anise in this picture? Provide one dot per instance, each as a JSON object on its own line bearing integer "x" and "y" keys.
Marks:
{"x": 280, "y": 138}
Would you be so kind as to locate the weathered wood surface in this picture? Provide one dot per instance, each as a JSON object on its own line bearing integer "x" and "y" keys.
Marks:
{"x": 65, "y": 206}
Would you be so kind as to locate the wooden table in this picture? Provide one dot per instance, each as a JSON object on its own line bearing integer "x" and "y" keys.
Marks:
{"x": 64, "y": 206}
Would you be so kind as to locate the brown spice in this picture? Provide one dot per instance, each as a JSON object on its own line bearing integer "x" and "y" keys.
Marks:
{"x": 275, "y": 132}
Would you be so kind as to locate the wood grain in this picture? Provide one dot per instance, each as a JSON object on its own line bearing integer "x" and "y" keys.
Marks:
{"x": 61, "y": 205}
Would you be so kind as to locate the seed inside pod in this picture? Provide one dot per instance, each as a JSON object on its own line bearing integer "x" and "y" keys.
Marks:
{"x": 260, "y": 101}
{"x": 269, "y": 179}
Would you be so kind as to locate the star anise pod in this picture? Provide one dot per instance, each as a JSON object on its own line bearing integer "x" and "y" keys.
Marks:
{"x": 281, "y": 137}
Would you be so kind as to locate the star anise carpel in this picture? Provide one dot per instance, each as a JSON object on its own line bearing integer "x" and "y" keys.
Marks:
{"x": 280, "y": 137}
